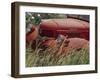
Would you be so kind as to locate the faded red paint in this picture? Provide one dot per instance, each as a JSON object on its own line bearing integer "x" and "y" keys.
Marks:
{"x": 75, "y": 44}
{"x": 50, "y": 42}
{"x": 69, "y": 45}
{"x": 69, "y": 26}
{"x": 32, "y": 35}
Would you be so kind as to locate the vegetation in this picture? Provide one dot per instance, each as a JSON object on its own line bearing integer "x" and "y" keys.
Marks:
{"x": 49, "y": 57}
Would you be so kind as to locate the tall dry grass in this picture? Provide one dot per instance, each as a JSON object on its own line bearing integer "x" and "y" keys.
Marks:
{"x": 48, "y": 57}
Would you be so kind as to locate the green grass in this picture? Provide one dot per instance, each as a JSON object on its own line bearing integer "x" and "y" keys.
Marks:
{"x": 48, "y": 57}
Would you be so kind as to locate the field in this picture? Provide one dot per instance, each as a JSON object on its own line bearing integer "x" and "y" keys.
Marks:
{"x": 48, "y": 57}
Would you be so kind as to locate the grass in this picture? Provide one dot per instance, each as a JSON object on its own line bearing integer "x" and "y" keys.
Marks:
{"x": 48, "y": 57}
